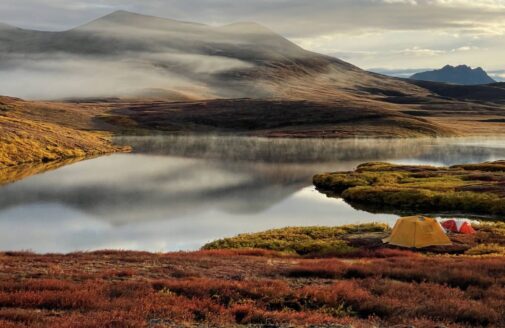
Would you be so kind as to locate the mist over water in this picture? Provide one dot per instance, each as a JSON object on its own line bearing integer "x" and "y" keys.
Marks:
{"x": 177, "y": 193}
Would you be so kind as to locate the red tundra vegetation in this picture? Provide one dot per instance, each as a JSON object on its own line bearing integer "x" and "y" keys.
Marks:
{"x": 250, "y": 287}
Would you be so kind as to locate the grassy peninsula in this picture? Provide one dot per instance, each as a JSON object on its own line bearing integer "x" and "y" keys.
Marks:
{"x": 41, "y": 132}
{"x": 468, "y": 189}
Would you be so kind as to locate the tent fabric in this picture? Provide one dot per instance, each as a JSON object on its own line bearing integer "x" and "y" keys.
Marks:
{"x": 417, "y": 232}
{"x": 450, "y": 225}
{"x": 467, "y": 229}
{"x": 458, "y": 226}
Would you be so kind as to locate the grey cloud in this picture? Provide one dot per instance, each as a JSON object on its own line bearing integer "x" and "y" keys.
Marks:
{"x": 292, "y": 18}
{"x": 498, "y": 75}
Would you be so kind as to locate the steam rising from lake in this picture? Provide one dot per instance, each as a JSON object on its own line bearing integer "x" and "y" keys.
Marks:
{"x": 177, "y": 193}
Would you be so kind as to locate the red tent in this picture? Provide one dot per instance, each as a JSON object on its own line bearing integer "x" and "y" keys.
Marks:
{"x": 458, "y": 226}
{"x": 466, "y": 228}
{"x": 450, "y": 225}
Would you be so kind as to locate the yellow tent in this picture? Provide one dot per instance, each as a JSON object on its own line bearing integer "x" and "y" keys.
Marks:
{"x": 417, "y": 232}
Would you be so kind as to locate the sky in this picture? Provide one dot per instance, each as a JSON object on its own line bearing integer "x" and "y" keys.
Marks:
{"x": 397, "y": 37}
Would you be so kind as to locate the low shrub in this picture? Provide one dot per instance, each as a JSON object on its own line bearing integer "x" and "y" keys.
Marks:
{"x": 322, "y": 269}
{"x": 398, "y": 289}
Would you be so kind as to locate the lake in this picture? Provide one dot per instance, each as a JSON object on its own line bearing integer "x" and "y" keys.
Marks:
{"x": 177, "y": 193}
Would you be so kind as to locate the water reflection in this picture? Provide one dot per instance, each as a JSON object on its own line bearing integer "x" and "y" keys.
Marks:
{"x": 15, "y": 173}
{"x": 180, "y": 192}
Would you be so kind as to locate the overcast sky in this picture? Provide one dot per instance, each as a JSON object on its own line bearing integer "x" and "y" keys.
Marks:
{"x": 391, "y": 34}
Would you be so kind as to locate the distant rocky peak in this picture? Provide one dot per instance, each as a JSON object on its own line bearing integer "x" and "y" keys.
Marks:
{"x": 461, "y": 74}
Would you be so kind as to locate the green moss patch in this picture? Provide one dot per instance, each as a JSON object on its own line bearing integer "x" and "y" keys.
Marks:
{"x": 314, "y": 241}
{"x": 470, "y": 189}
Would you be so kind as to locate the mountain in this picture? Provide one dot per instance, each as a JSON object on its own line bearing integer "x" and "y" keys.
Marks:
{"x": 122, "y": 32}
{"x": 461, "y": 74}
{"x": 131, "y": 71}
{"x": 129, "y": 55}
{"x": 124, "y": 53}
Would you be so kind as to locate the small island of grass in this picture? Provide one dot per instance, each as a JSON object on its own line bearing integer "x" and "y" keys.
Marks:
{"x": 477, "y": 189}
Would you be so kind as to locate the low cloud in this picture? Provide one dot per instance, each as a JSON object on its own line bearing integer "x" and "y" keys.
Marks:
{"x": 66, "y": 76}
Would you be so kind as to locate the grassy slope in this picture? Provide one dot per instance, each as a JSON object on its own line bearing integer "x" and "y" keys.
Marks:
{"x": 254, "y": 286}
{"x": 41, "y": 132}
{"x": 470, "y": 189}
{"x": 275, "y": 118}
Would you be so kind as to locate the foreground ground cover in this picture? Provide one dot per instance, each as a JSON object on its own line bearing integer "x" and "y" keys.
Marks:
{"x": 244, "y": 287}
{"x": 467, "y": 189}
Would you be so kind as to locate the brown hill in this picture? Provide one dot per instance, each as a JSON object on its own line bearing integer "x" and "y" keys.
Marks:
{"x": 43, "y": 132}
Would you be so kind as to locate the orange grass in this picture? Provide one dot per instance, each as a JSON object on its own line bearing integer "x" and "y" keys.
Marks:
{"x": 231, "y": 287}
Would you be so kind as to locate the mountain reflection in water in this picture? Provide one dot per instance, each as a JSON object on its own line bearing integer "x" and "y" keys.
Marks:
{"x": 177, "y": 193}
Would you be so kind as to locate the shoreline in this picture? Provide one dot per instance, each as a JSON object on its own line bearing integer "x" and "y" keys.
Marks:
{"x": 37, "y": 131}
{"x": 44, "y": 131}
{"x": 122, "y": 144}
{"x": 121, "y": 148}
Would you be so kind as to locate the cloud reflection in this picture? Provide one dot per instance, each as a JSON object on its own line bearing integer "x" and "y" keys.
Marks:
{"x": 180, "y": 192}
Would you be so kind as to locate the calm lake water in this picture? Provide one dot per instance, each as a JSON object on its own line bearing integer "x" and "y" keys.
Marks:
{"x": 177, "y": 193}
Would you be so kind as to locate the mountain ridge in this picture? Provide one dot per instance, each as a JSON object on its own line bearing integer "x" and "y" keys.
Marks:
{"x": 120, "y": 16}
{"x": 461, "y": 74}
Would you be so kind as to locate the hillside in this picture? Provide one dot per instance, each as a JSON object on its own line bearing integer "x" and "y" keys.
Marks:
{"x": 43, "y": 132}
{"x": 272, "y": 118}
{"x": 461, "y": 74}
{"x": 128, "y": 55}
{"x": 125, "y": 53}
